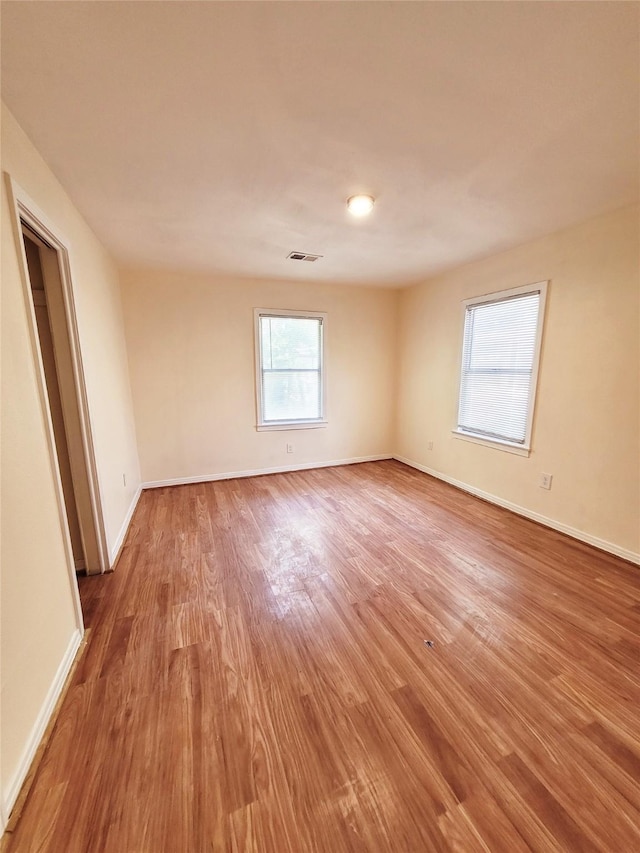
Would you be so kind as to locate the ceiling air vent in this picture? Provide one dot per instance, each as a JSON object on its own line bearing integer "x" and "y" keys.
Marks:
{"x": 302, "y": 256}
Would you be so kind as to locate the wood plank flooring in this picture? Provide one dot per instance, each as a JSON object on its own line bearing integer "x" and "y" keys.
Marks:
{"x": 257, "y": 679}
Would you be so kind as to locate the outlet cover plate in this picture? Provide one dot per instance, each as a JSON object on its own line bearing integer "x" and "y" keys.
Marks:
{"x": 545, "y": 481}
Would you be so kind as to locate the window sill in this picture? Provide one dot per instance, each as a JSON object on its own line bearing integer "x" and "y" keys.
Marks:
{"x": 496, "y": 443}
{"x": 291, "y": 425}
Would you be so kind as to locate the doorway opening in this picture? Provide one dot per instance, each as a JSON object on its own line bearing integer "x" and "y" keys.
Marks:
{"x": 55, "y": 363}
{"x": 50, "y": 304}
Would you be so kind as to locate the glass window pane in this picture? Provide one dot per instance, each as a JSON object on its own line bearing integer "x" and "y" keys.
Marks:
{"x": 290, "y": 342}
{"x": 291, "y": 368}
{"x": 496, "y": 404}
{"x": 499, "y": 351}
{"x": 291, "y": 395}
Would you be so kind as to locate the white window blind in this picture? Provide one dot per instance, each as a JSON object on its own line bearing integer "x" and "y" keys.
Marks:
{"x": 499, "y": 366}
{"x": 290, "y": 369}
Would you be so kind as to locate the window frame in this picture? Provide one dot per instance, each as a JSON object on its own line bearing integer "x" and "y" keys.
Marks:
{"x": 524, "y": 448}
{"x": 305, "y": 423}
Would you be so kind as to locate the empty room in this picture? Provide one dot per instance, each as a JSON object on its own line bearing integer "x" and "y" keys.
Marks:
{"x": 320, "y": 427}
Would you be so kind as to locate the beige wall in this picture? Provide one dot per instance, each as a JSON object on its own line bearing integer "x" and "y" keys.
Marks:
{"x": 586, "y": 428}
{"x": 191, "y": 354}
{"x": 37, "y": 610}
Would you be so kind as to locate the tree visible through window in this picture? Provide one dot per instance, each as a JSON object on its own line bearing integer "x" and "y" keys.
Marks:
{"x": 500, "y": 353}
{"x": 290, "y": 371}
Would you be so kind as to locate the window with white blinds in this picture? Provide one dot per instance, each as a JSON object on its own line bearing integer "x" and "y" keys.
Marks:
{"x": 500, "y": 353}
{"x": 290, "y": 369}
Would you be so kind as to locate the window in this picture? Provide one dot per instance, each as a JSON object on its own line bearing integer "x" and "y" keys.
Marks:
{"x": 290, "y": 369}
{"x": 500, "y": 353}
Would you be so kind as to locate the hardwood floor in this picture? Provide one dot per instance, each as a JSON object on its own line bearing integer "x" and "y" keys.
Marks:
{"x": 257, "y": 679}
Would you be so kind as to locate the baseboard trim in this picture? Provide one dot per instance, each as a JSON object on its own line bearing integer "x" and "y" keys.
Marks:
{"x": 117, "y": 545}
{"x": 602, "y": 544}
{"x": 40, "y": 726}
{"x": 258, "y": 472}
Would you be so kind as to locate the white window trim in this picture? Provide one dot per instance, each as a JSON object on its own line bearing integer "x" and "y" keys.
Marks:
{"x": 494, "y": 443}
{"x": 315, "y": 423}
{"x": 523, "y": 449}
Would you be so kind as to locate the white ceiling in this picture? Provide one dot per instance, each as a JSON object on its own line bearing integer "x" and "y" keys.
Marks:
{"x": 221, "y": 136}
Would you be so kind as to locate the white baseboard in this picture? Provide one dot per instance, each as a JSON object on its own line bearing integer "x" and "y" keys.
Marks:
{"x": 117, "y": 545}
{"x": 281, "y": 469}
{"x": 602, "y": 544}
{"x": 42, "y": 721}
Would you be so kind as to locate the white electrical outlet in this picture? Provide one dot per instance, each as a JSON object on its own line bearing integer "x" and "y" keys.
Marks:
{"x": 429, "y": 445}
{"x": 289, "y": 448}
{"x": 545, "y": 481}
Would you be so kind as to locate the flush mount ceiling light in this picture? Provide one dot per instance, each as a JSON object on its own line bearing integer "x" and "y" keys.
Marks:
{"x": 360, "y": 205}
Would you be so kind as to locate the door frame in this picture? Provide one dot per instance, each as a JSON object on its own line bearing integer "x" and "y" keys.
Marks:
{"x": 24, "y": 210}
